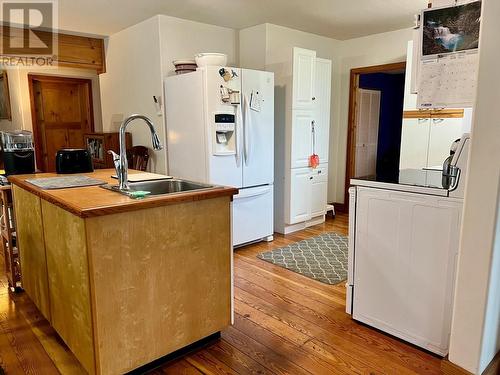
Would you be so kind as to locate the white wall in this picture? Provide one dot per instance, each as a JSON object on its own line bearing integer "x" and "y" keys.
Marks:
{"x": 269, "y": 47}
{"x": 133, "y": 75}
{"x": 183, "y": 39}
{"x": 475, "y": 334}
{"x": 371, "y": 50}
{"x": 253, "y": 47}
{"x": 137, "y": 60}
{"x": 20, "y": 98}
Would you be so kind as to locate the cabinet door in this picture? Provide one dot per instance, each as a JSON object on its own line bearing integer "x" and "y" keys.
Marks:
{"x": 443, "y": 132}
{"x": 31, "y": 246}
{"x": 304, "y": 62}
{"x": 319, "y": 191}
{"x": 414, "y": 143}
{"x": 301, "y": 147}
{"x": 323, "y": 83}
{"x": 300, "y": 195}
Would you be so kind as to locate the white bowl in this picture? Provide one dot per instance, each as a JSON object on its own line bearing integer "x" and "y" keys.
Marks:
{"x": 211, "y": 59}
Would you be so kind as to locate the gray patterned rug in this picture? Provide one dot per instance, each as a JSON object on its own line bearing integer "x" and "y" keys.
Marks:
{"x": 323, "y": 258}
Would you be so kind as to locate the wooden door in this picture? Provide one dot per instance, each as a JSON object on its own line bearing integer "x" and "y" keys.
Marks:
{"x": 62, "y": 112}
{"x": 304, "y": 63}
{"x": 367, "y": 124}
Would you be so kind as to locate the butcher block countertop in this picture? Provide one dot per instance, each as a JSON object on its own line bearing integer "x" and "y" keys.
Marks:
{"x": 92, "y": 201}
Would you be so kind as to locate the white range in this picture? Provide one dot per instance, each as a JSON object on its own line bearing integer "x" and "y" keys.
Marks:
{"x": 403, "y": 247}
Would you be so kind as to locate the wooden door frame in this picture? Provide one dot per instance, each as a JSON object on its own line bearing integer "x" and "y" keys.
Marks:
{"x": 37, "y": 137}
{"x": 351, "y": 122}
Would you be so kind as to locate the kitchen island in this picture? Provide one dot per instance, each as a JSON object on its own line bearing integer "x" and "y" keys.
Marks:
{"x": 125, "y": 281}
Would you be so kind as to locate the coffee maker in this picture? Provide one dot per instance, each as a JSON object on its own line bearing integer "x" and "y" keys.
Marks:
{"x": 18, "y": 152}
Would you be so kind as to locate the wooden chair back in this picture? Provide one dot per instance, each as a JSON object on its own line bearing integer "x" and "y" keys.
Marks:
{"x": 138, "y": 157}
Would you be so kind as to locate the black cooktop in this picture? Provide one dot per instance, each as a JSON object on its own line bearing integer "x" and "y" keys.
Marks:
{"x": 429, "y": 178}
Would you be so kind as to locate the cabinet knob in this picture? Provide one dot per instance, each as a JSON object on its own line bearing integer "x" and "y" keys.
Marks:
{"x": 313, "y": 98}
{"x": 311, "y": 178}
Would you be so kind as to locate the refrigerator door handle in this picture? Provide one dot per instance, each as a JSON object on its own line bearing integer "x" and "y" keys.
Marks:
{"x": 253, "y": 192}
{"x": 246, "y": 127}
{"x": 237, "y": 130}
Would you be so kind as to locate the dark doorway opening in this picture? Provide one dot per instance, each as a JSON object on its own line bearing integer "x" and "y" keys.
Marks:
{"x": 391, "y": 87}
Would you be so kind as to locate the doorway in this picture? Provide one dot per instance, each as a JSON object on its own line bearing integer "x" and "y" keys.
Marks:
{"x": 62, "y": 112}
{"x": 375, "y": 121}
{"x": 367, "y": 126}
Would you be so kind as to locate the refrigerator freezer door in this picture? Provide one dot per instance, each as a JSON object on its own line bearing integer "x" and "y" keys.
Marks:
{"x": 252, "y": 214}
{"x": 222, "y": 169}
{"x": 258, "y": 127}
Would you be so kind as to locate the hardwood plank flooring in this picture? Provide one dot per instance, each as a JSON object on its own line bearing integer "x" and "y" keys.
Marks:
{"x": 284, "y": 323}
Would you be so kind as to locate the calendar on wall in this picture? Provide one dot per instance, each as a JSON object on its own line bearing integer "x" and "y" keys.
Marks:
{"x": 448, "y": 81}
{"x": 449, "y": 56}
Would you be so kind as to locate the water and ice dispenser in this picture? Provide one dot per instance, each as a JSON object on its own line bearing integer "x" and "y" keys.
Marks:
{"x": 223, "y": 134}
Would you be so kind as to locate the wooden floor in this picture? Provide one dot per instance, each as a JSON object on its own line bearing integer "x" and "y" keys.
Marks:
{"x": 284, "y": 324}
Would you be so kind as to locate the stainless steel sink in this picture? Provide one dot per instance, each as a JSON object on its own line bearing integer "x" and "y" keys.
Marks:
{"x": 160, "y": 187}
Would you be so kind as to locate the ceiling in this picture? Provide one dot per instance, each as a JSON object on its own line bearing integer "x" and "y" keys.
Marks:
{"x": 338, "y": 19}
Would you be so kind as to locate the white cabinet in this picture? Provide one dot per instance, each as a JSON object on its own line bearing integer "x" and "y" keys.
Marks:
{"x": 319, "y": 189}
{"x": 302, "y": 127}
{"x": 301, "y": 138}
{"x": 300, "y": 194}
{"x": 443, "y": 132}
{"x": 426, "y": 142}
{"x": 405, "y": 249}
{"x": 308, "y": 192}
{"x": 304, "y": 64}
{"x": 323, "y": 82}
{"x": 414, "y": 143}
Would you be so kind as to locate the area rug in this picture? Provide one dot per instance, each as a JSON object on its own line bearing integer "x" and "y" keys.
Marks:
{"x": 322, "y": 258}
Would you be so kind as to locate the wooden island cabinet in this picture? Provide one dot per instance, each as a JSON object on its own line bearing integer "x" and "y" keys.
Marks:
{"x": 125, "y": 282}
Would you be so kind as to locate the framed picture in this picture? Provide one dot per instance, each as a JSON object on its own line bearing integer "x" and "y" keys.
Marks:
{"x": 450, "y": 29}
{"x": 5, "y": 113}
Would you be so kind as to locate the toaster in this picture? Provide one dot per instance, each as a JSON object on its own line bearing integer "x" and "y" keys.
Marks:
{"x": 73, "y": 161}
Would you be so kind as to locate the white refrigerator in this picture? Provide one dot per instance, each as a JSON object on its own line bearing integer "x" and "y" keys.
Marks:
{"x": 220, "y": 130}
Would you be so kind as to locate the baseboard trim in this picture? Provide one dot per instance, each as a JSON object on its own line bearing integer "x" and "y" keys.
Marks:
{"x": 494, "y": 366}
{"x": 449, "y": 368}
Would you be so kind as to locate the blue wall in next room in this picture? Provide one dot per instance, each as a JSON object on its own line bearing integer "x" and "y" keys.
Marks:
{"x": 391, "y": 118}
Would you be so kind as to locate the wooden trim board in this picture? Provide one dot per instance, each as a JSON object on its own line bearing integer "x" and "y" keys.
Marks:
{"x": 435, "y": 113}
{"x": 351, "y": 122}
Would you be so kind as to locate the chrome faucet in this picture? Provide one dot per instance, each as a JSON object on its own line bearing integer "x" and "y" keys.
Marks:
{"x": 120, "y": 161}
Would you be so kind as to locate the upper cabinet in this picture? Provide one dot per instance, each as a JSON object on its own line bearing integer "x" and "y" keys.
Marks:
{"x": 74, "y": 51}
{"x": 304, "y": 66}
